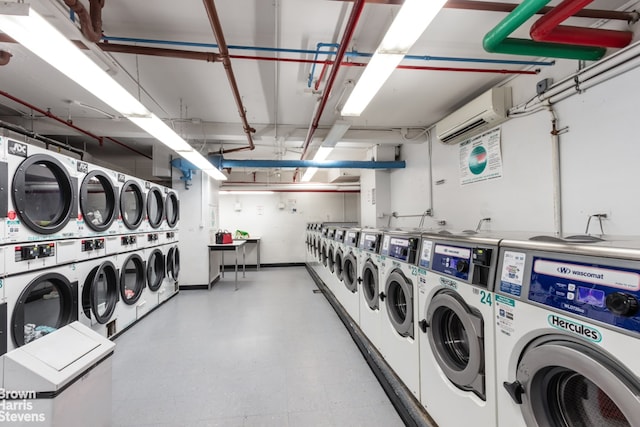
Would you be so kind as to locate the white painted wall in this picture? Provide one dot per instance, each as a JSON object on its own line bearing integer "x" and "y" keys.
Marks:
{"x": 199, "y": 218}
{"x": 282, "y": 231}
{"x": 598, "y": 167}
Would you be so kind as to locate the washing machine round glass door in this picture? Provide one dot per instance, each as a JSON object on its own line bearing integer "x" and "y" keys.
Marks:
{"x": 399, "y": 295}
{"x": 172, "y": 209}
{"x": 132, "y": 206}
{"x": 455, "y": 334}
{"x": 155, "y": 207}
{"x": 349, "y": 273}
{"x": 100, "y": 292}
{"x": 561, "y": 381}
{"x": 325, "y": 258}
{"x": 155, "y": 270}
{"x": 173, "y": 263}
{"x": 331, "y": 261}
{"x": 98, "y": 201}
{"x": 338, "y": 265}
{"x": 47, "y": 303}
{"x": 370, "y": 287}
{"x": 132, "y": 279}
{"x": 44, "y": 194}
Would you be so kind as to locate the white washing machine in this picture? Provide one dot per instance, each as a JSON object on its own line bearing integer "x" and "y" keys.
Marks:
{"x": 42, "y": 201}
{"x": 39, "y": 302}
{"x": 171, "y": 210}
{"x": 132, "y": 205}
{"x": 330, "y": 240}
{"x": 568, "y": 333}
{"x": 155, "y": 260}
{"x": 132, "y": 282}
{"x": 339, "y": 291}
{"x": 369, "y": 265}
{"x": 99, "y": 294}
{"x": 457, "y": 339}
{"x": 155, "y": 220}
{"x": 399, "y": 338}
{"x": 99, "y": 200}
{"x": 172, "y": 272}
{"x": 350, "y": 298}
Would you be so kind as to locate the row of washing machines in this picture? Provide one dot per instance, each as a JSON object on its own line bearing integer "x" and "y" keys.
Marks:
{"x": 79, "y": 242}
{"x": 495, "y": 330}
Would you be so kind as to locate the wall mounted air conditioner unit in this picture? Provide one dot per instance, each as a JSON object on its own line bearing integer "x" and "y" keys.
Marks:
{"x": 486, "y": 111}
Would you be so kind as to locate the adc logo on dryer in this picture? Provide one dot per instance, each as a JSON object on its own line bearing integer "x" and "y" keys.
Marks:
{"x": 17, "y": 149}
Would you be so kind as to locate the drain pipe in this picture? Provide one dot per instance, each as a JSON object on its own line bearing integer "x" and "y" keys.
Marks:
{"x": 214, "y": 20}
{"x": 356, "y": 11}
{"x": 90, "y": 22}
{"x": 52, "y": 116}
{"x": 556, "y": 177}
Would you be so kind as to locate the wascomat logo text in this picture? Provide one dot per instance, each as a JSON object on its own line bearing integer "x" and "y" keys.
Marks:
{"x": 568, "y": 271}
{"x": 576, "y": 328}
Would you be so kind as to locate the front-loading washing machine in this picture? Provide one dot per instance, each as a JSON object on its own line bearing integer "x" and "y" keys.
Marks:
{"x": 172, "y": 272}
{"x": 99, "y": 294}
{"x": 155, "y": 260}
{"x": 99, "y": 200}
{"x": 567, "y": 333}
{"x": 132, "y": 282}
{"x": 399, "y": 339}
{"x": 349, "y": 294}
{"x": 171, "y": 210}
{"x": 132, "y": 204}
{"x": 457, "y": 343}
{"x": 39, "y": 302}
{"x": 330, "y": 240}
{"x": 155, "y": 220}
{"x": 339, "y": 290}
{"x": 42, "y": 201}
{"x": 369, "y": 265}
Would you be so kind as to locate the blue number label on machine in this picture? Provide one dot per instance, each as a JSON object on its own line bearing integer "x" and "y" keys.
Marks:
{"x": 452, "y": 260}
{"x": 604, "y": 293}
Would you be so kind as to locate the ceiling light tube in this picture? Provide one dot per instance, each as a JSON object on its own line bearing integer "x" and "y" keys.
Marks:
{"x": 20, "y": 22}
{"x": 321, "y": 154}
{"x": 411, "y": 21}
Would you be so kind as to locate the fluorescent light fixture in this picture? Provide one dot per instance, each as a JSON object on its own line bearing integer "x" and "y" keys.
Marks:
{"x": 245, "y": 192}
{"x": 321, "y": 154}
{"x": 411, "y": 21}
{"x": 337, "y": 131}
{"x": 27, "y": 27}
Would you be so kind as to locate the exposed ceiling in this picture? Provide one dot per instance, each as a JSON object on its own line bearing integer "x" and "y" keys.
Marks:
{"x": 279, "y": 97}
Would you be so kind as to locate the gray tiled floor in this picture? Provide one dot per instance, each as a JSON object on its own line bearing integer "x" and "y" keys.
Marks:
{"x": 271, "y": 354}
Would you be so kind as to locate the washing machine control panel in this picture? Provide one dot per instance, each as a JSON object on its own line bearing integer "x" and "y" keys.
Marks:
{"x": 451, "y": 260}
{"x": 339, "y": 236}
{"x": 605, "y": 293}
{"x": 171, "y": 235}
{"x": 370, "y": 242}
{"x": 401, "y": 248}
{"x": 152, "y": 237}
{"x": 30, "y": 252}
{"x": 351, "y": 238}
{"x": 91, "y": 245}
{"x": 128, "y": 240}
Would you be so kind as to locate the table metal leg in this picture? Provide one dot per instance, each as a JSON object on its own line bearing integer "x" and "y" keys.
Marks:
{"x": 258, "y": 255}
{"x": 236, "y": 268}
{"x": 244, "y": 265}
{"x": 222, "y": 265}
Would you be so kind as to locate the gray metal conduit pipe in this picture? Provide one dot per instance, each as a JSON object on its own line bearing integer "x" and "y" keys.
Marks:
{"x": 214, "y": 20}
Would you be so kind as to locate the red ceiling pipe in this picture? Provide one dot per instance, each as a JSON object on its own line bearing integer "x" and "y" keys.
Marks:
{"x": 356, "y": 12}
{"x": 90, "y": 22}
{"x": 548, "y": 29}
{"x": 321, "y": 76}
{"x": 100, "y": 139}
{"x": 214, "y": 20}
{"x": 489, "y": 6}
{"x": 5, "y": 57}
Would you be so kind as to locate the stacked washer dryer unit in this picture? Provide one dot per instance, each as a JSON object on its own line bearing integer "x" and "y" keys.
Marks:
{"x": 567, "y": 333}
{"x": 349, "y": 292}
{"x": 457, "y": 342}
{"x": 399, "y": 339}
{"x": 369, "y": 266}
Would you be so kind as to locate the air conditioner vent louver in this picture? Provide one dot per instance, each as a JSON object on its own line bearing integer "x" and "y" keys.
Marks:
{"x": 486, "y": 111}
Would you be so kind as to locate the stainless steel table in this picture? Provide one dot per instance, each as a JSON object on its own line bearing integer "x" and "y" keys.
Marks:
{"x": 235, "y": 246}
{"x": 255, "y": 240}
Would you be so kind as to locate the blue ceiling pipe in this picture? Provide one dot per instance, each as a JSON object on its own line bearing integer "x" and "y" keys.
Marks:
{"x": 187, "y": 170}
{"x": 223, "y": 163}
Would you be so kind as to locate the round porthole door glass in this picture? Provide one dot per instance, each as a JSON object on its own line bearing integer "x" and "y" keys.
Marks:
{"x": 175, "y": 265}
{"x": 172, "y": 209}
{"x": 48, "y": 303}
{"x": 397, "y": 302}
{"x": 577, "y": 401}
{"x": 131, "y": 205}
{"x": 455, "y": 340}
{"x": 43, "y": 194}
{"x": 104, "y": 289}
{"x": 132, "y": 279}
{"x": 155, "y": 270}
{"x": 97, "y": 201}
{"x": 155, "y": 207}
